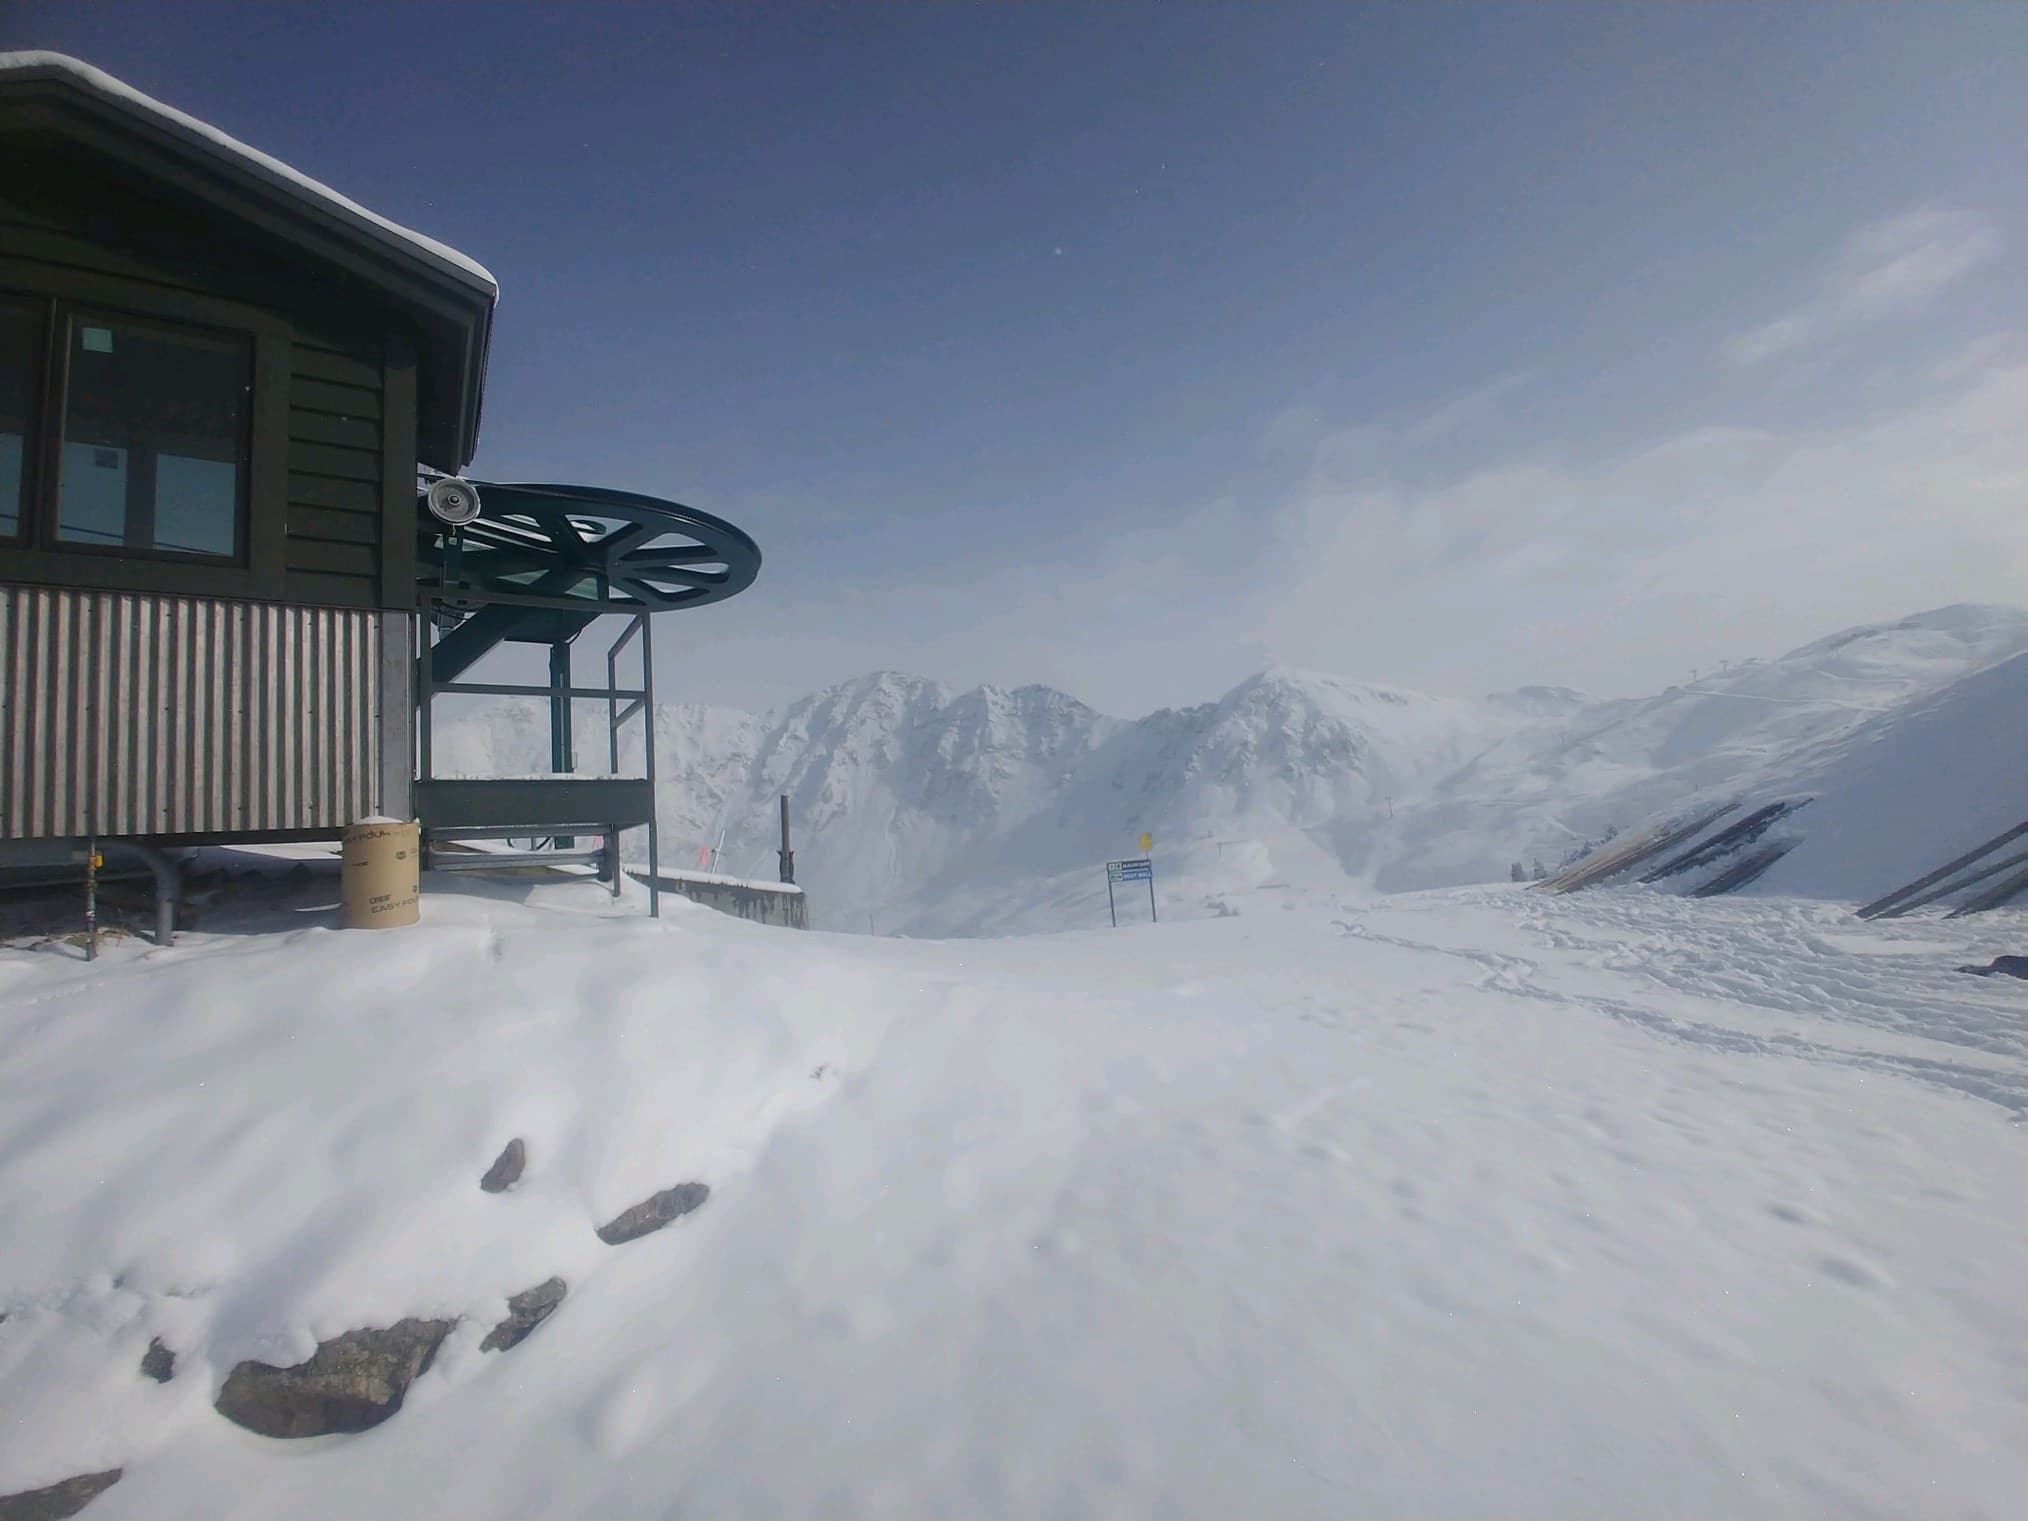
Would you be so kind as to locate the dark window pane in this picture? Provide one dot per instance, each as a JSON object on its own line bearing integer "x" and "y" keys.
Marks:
{"x": 20, "y": 337}
{"x": 154, "y": 438}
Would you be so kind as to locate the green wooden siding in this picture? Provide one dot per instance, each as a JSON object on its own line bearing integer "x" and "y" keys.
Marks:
{"x": 335, "y": 486}
{"x": 332, "y": 494}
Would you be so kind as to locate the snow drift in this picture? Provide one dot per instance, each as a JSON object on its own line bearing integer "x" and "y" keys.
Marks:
{"x": 1475, "y": 1203}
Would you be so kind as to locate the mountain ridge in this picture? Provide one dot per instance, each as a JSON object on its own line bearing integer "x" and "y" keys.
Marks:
{"x": 925, "y": 809}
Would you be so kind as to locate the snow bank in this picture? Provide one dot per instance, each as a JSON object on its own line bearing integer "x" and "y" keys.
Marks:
{"x": 1909, "y": 790}
{"x": 1464, "y": 1204}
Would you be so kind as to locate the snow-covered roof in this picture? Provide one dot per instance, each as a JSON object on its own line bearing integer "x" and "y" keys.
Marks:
{"x": 229, "y": 150}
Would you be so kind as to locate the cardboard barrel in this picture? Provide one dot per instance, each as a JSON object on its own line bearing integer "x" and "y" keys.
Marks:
{"x": 378, "y": 877}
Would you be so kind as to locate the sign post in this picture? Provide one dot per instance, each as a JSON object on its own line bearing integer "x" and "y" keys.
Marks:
{"x": 1139, "y": 870}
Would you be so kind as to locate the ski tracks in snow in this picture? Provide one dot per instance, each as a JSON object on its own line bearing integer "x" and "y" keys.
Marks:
{"x": 1752, "y": 976}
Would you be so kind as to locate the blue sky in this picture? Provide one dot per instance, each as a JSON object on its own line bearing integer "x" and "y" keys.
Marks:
{"x": 1133, "y": 348}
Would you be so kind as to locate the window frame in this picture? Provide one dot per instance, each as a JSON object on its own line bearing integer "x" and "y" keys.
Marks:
{"x": 53, "y": 420}
{"x": 34, "y": 555}
{"x": 23, "y": 535}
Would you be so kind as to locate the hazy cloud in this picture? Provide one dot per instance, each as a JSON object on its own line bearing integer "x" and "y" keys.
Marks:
{"x": 1620, "y": 572}
{"x": 1615, "y": 572}
{"x": 1888, "y": 269}
{"x": 1464, "y": 410}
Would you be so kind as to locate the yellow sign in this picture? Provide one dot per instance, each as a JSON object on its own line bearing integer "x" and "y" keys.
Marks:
{"x": 1147, "y": 842}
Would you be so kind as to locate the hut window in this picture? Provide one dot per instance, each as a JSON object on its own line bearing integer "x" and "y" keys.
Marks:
{"x": 154, "y": 448}
{"x": 21, "y": 329}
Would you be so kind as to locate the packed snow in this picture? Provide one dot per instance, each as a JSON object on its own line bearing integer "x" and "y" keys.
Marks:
{"x": 928, "y": 812}
{"x": 1341, "y": 1191}
{"x": 1470, "y": 1202}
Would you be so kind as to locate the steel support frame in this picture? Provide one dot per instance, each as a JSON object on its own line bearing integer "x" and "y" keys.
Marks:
{"x": 562, "y": 752}
{"x": 559, "y": 689}
{"x": 641, "y": 701}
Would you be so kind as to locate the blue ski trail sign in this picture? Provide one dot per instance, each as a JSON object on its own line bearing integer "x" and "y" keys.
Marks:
{"x": 1141, "y": 869}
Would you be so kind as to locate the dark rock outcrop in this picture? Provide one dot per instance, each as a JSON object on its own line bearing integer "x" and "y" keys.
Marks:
{"x": 353, "y": 1382}
{"x": 651, "y": 1214}
{"x": 58, "y": 1500}
{"x": 2000, "y": 966}
{"x": 158, "y": 1362}
{"x": 506, "y": 1169}
{"x": 525, "y": 1311}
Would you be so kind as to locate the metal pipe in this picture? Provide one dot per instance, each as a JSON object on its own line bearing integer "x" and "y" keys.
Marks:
{"x": 613, "y": 707}
{"x": 520, "y": 689}
{"x": 600, "y": 858}
{"x": 168, "y": 883}
{"x": 648, "y": 753}
{"x": 168, "y": 876}
{"x": 562, "y": 752}
{"x": 91, "y": 900}
{"x": 426, "y": 688}
{"x": 788, "y": 855}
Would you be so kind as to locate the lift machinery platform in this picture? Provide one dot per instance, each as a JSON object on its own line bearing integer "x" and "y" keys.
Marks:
{"x": 528, "y": 564}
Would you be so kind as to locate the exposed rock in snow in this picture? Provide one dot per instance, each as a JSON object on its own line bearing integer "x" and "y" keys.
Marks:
{"x": 506, "y": 1169}
{"x": 158, "y": 1362}
{"x": 354, "y": 1382}
{"x": 2000, "y": 966}
{"x": 654, "y": 1212}
{"x": 57, "y": 1501}
{"x": 525, "y": 1311}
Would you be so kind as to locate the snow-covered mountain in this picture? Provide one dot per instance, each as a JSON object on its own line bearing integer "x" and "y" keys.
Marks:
{"x": 920, "y": 810}
{"x": 1759, "y": 728}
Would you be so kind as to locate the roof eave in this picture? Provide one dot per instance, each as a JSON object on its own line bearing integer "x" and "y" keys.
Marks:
{"x": 409, "y": 266}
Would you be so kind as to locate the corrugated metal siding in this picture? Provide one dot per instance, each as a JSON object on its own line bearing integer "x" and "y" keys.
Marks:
{"x": 123, "y": 714}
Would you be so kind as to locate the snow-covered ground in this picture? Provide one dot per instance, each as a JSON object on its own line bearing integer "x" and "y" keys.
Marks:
{"x": 1462, "y": 1203}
